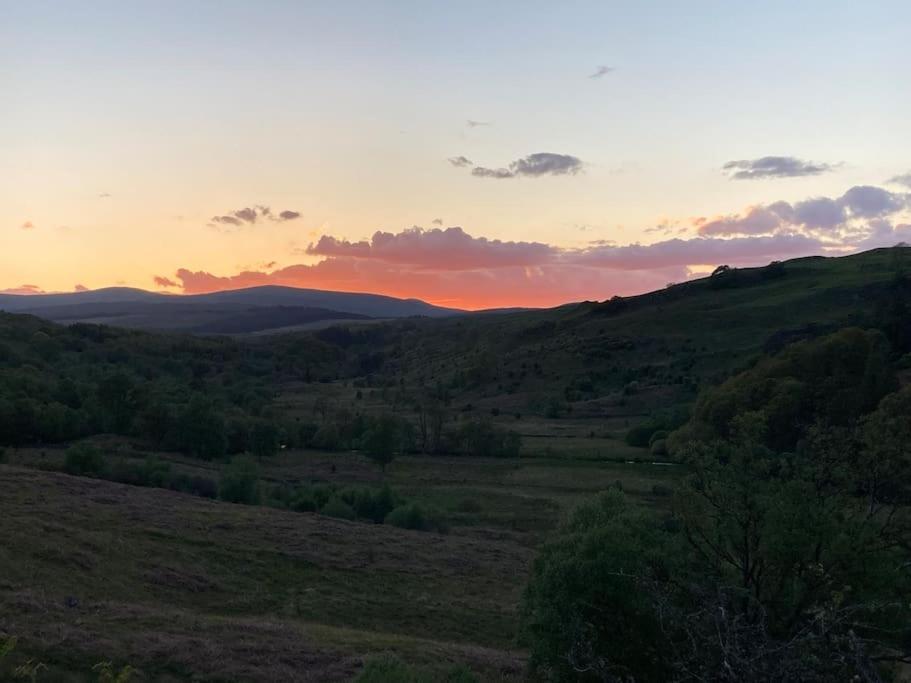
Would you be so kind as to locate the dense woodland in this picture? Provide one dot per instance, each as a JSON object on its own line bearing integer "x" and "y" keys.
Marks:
{"x": 782, "y": 551}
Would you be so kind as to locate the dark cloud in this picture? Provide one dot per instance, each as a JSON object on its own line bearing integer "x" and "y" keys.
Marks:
{"x": 601, "y": 71}
{"x": 249, "y": 216}
{"x": 774, "y": 167}
{"x": 903, "y": 179}
{"x": 226, "y": 220}
{"x": 164, "y": 281}
{"x": 460, "y": 161}
{"x": 534, "y": 165}
{"x": 481, "y": 172}
{"x": 866, "y": 201}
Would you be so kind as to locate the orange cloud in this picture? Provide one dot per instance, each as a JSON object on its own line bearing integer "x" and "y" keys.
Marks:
{"x": 452, "y": 268}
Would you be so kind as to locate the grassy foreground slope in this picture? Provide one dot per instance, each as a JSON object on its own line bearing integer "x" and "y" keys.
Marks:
{"x": 181, "y": 587}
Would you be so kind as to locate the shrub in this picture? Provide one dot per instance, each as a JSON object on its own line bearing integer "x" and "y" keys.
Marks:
{"x": 338, "y": 508}
{"x": 84, "y": 460}
{"x": 391, "y": 669}
{"x": 304, "y": 501}
{"x": 240, "y": 481}
{"x": 385, "y": 669}
{"x": 202, "y": 487}
{"x": 413, "y": 516}
{"x": 327, "y": 437}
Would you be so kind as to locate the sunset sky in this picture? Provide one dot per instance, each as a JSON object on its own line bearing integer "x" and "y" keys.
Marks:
{"x": 471, "y": 154}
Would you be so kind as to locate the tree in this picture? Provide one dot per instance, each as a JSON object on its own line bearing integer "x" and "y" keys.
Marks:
{"x": 117, "y": 402}
{"x": 787, "y": 552}
{"x": 240, "y": 481}
{"x": 383, "y": 440}
{"x": 264, "y": 439}
{"x": 200, "y": 430}
{"x": 586, "y": 615}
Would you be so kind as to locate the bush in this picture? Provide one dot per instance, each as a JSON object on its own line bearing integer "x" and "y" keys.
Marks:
{"x": 84, "y": 460}
{"x": 304, "y": 501}
{"x": 202, "y": 487}
{"x": 391, "y": 669}
{"x": 338, "y": 508}
{"x": 386, "y": 669}
{"x": 327, "y": 438}
{"x": 371, "y": 504}
{"x": 413, "y": 516}
{"x": 240, "y": 481}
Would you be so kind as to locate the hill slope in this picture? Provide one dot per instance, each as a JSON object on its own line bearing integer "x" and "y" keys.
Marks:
{"x": 245, "y": 310}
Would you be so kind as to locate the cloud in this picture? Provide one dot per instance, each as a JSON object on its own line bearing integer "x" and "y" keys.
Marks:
{"x": 460, "y": 161}
{"x": 451, "y": 267}
{"x": 226, "y": 220}
{"x": 757, "y": 220}
{"x": 700, "y": 250}
{"x": 601, "y": 71}
{"x": 80, "y": 288}
{"x": 839, "y": 216}
{"x": 437, "y": 221}
{"x": 903, "y": 179}
{"x": 867, "y": 201}
{"x": 437, "y": 249}
{"x": 164, "y": 281}
{"x": 774, "y": 167}
{"x": 104, "y": 195}
{"x": 249, "y": 216}
{"x": 819, "y": 213}
{"x": 476, "y": 124}
{"x": 534, "y": 165}
{"x": 26, "y": 290}
{"x": 28, "y": 225}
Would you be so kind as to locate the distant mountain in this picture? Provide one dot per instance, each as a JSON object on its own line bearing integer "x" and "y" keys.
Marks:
{"x": 258, "y": 309}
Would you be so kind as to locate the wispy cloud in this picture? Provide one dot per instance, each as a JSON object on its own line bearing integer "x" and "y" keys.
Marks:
{"x": 601, "y": 71}
{"x": 534, "y": 166}
{"x": 470, "y": 123}
{"x": 250, "y": 215}
{"x": 904, "y": 179}
{"x": 774, "y": 167}
{"x": 161, "y": 281}
{"x": 23, "y": 290}
{"x": 460, "y": 161}
{"x": 28, "y": 225}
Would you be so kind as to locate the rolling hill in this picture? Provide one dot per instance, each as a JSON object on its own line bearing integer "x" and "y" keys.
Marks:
{"x": 257, "y": 309}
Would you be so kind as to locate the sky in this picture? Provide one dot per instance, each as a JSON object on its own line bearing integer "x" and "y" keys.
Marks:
{"x": 470, "y": 154}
